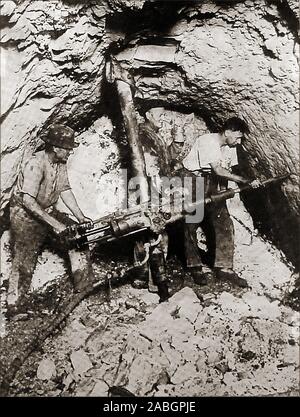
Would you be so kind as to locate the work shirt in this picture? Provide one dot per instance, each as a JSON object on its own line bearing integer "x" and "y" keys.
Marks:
{"x": 43, "y": 180}
{"x": 207, "y": 150}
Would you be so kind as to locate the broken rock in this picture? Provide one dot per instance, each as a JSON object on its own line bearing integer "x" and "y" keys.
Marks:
{"x": 46, "y": 370}
{"x": 81, "y": 362}
{"x": 100, "y": 389}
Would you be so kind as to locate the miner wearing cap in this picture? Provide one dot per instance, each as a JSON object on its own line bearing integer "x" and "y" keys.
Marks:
{"x": 34, "y": 218}
{"x": 211, "y": 157}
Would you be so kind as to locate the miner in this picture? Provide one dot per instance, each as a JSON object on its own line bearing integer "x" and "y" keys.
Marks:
{"x": 155, "y": 268}
{"x": 34, "y": 217}
{"x": 212, "y": 156}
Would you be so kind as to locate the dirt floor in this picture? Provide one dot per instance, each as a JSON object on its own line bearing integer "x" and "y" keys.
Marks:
{"x": 239, "y": 341}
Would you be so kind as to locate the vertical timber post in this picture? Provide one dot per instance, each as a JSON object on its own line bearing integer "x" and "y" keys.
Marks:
{"x": 121, "y": 78}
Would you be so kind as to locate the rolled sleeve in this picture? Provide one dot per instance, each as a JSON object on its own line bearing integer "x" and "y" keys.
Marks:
{"x": 64, "y": 179}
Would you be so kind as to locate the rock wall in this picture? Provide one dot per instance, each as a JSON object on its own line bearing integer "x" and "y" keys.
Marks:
{"x": 210, "y": 58}
{"x": 52, "y": 61}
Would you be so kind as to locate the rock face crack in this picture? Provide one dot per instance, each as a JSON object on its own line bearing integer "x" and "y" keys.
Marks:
{"x": 288, "y": 12}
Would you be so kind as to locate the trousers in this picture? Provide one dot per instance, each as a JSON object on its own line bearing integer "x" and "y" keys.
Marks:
{"x": 28, "y": 236}
{"x": 156, "y": 264}
{"x": 218, "y": 228}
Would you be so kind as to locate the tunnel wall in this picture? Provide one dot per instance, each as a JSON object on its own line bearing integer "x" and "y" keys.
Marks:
{"x": 213, "y": 58}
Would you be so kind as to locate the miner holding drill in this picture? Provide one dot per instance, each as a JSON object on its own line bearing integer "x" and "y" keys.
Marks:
{"x": 211, "y": 157}
{"x": 34, "y": 218}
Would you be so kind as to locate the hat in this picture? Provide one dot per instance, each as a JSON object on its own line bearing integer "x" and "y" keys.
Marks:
{"x": 61, "y": 136}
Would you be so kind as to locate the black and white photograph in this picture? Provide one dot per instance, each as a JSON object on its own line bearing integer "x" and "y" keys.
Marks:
{"x": 149, "y": 207}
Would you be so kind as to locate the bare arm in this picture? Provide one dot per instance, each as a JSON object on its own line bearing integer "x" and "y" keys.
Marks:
{"x": 70, "y": 201}
{"x": 224, "y": 173}
{"x": 31, "y": 205}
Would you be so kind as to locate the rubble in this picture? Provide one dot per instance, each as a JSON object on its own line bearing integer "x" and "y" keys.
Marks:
{"x": 226, "y": 342}
{"x": 233, "y": 345}
{"x": 80, "y": 362}
{"x": 100, "y": 389}
{"x": 46, "y": 370}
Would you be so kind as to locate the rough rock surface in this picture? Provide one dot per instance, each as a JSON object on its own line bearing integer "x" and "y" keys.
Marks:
{"x": 52, "y": 57}
{"x": 211, "y": 58}
{"x": 221, "y": 349}
{"x": 46, "y": 370}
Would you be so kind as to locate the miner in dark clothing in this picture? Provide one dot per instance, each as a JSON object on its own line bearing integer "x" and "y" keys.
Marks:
{"x": 33, "y": 216}
{"x": 155, "y": 269}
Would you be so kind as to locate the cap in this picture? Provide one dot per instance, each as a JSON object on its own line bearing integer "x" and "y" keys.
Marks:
{"x": 61, "y": 136}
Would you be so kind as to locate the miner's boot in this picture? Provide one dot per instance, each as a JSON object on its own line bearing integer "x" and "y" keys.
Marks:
{"x": 231, "y": 276}
{"x": 158, "y": 271}
{"x": 163, "y": 291}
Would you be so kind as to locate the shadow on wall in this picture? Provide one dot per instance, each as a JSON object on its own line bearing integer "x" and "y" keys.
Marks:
{"x": 4, "y": 220}
{"x": 274, "y": 218}
{"x": 271, "y": 215}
